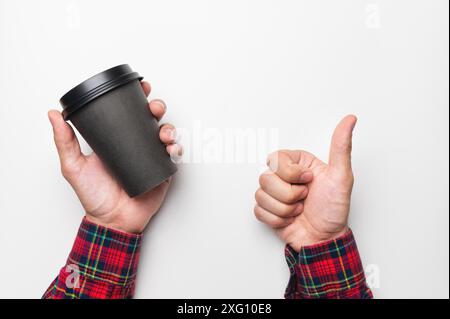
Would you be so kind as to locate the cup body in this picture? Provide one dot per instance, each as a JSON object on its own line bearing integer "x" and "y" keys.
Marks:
{"x": 121, "y": 130}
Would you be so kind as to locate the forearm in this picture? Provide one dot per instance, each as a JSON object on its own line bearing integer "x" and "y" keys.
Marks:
{"x": 332, "y": 269}
{"x": 102, "y": 264}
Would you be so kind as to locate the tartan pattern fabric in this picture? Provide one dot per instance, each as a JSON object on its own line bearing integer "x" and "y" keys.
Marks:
{"x": 102, "y": 264}
{"x": 329, "y": 270}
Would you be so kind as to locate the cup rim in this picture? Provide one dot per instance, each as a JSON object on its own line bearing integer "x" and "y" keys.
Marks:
{"x": 96, "y": 86}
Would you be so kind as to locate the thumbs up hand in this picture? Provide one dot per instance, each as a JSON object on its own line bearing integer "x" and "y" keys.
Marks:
{"x": 304, "y": 199}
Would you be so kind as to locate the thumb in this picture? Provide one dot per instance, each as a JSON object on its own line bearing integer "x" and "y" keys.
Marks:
{"x": 65, "y": 140}
{"x": 341, "y": 144}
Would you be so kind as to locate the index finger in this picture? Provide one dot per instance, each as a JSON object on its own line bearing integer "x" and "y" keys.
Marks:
{"x": 146, "y": 87}
{"x": 288, "y": 168}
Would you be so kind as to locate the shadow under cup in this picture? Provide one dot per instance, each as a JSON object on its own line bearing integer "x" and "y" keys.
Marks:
{"x": 110, "y": 111}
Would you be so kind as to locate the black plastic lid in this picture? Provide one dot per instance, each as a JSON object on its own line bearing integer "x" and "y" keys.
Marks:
{"x": 95, "y": 86}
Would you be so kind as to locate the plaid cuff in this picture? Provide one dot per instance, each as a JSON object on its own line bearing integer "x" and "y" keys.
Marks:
{"x": 332, "y": 269}
{"x": 102, "y": 264}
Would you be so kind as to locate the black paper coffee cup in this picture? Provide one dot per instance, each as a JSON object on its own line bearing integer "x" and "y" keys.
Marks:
{"x": 110, "y": 110}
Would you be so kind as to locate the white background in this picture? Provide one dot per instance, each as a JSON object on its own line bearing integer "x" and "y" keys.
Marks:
{"x": 296, "y": 66}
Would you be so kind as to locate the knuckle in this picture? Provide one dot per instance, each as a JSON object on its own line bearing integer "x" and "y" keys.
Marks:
{"x": 273, "y": 155}
{"x": 69, "y": 169}
{"x": 273, "y": 161}
{"x": 347, "y": 176}
{"x": 65, "y": 170}
{"x": 351, "y": 177}
{"x": 351, "y": 180}
{"x": 258, "y": 195}
{"x": 257, "y": 213}
{"x": 264, "y": 179}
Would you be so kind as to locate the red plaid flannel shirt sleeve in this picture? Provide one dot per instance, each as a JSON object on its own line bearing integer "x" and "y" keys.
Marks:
{"x": 102, "y": 264}
{"x": 332, "y": 269}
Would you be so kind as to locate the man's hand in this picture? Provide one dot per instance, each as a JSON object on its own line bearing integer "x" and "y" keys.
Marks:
{"x": 305, "y": 200}
{"x": 102, "y": 197}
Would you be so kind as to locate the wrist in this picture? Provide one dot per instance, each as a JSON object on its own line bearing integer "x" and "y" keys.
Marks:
{"x": 317, "y": 238}
{"x": 332, "y": 236}
{"x": 115, "y": 224}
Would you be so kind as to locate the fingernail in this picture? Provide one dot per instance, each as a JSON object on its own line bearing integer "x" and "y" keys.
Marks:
{"x": 305, "y": 192}
{"x": 172, "y": 133}
{"x": 354, "y": 123}
{"x": 161, "y": 103}
{"x": 306, "y": 176}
